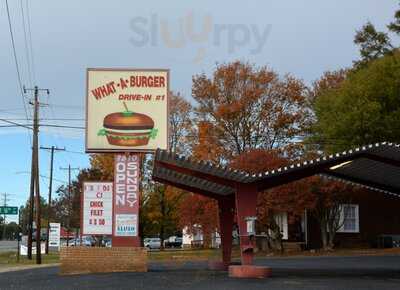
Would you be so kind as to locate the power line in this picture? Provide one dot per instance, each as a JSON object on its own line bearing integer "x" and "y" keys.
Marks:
{"x": 61, "y": 126}
{"x": 30, "y": 41}
{"x": 15, "y": 58}
{"x": 14, "y": 124}
{"x": 28, "y": 61}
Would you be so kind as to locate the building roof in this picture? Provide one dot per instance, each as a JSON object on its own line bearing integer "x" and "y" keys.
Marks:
{"x": 376, "y": 166}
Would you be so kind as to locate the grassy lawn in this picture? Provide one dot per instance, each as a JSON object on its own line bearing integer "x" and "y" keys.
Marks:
{"x": 190, "y": 254}
{"x": 10, "y": 259}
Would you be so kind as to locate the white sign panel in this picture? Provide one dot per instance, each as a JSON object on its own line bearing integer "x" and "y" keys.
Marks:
{"x": 97, "y": 208}
{"x": 125, "y": 225}
{"x": 126, "y": 110}
{"x": 54, "y": 235}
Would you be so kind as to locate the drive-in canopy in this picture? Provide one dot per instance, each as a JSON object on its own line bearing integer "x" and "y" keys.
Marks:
{"x": 376, "y": 166}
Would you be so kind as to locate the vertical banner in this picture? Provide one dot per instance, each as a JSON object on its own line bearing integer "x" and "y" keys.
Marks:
{"x": 97, "y": 208}
{"x": 126, "y": 200}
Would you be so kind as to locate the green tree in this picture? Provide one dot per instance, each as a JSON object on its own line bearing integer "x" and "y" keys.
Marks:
{"x": 364, "y": 109}
{"x": 373, "y": 44}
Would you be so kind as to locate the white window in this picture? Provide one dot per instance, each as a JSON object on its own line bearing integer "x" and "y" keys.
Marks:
{"x": 349, "y": 218}
{"x": 282, "y": 222}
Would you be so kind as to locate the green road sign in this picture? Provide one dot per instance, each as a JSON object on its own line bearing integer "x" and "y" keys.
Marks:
{"x": 8, "y": 210}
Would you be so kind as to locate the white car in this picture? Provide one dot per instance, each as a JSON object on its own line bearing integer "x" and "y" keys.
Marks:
{"x": 152, "y": 243}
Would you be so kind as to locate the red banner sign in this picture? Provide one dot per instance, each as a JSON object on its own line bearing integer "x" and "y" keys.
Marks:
{"x": 126, "y": 196}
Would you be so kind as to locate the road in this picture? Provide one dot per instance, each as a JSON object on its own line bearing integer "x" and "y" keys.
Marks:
{"x": 331, "y": 273}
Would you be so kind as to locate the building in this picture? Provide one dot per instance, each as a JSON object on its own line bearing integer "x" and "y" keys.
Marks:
{"x": 370, "y": 216}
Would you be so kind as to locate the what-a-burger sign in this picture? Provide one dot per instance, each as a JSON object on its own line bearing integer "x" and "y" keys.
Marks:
{"x": 126, "y": 110}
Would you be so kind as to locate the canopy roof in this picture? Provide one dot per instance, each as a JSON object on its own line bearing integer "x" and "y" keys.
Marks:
{"x": 376, "y": 166}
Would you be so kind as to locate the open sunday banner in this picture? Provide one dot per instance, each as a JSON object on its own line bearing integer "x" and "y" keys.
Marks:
{"x": 126, "y": 110}
{"x": 126, "y": 195}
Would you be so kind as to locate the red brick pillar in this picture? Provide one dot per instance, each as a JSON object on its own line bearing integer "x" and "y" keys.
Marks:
{"x": 246, "y": 202}
{"x": 226, "y": 208}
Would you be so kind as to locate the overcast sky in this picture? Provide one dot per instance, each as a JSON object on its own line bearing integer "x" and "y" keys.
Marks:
{"x": 303, "y": 37}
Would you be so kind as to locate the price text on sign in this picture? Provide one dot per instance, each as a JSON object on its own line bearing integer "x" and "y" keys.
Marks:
{"x": 126, "y": 195}
{"x": 97, "y": 208}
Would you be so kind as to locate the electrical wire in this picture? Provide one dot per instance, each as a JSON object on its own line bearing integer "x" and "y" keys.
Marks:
{"x": 30, "y": 42}
{"x": 27, "y": 54}
{"x": 16, "y": 58}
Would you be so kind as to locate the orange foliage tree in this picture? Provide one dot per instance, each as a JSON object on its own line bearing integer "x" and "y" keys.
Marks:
{"x": 197, "y": 211}
{"x": 245, "y": 107}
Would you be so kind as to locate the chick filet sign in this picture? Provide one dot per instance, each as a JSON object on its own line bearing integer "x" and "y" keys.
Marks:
{"x": 97, "y": 208}
{"x": 126, "y": 200}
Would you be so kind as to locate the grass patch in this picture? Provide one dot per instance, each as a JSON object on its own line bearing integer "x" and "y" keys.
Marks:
{"x": 197, "y": 254}
{"x": 10, "y": 259}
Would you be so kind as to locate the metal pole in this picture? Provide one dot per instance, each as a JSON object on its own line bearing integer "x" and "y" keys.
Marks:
{"x": 69, "y": 202}
{"x": 4, "y": 218}
{"x": 49, "y": 201}
{"x": 52, "y": 150}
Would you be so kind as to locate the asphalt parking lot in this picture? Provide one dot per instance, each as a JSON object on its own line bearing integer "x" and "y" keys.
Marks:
{"x": 367, "y": 272}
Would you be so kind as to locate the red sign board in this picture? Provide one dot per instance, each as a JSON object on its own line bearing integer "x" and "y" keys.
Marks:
{"x": 126, "y": 200}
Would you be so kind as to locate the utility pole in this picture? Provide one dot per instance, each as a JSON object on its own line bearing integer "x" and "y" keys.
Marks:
{"x": 5, "y": 199}
{"x": 52, "y": 149}
{"x": 34, "y": 188}
{"x": 69, "y": 199}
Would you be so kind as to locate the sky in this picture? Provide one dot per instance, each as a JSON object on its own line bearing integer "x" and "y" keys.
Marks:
{"x": 303, "y": 38}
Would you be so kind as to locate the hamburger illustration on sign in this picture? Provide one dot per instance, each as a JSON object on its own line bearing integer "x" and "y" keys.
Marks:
{"x": 128, "y": 128}
{"x": 126, "y": 110}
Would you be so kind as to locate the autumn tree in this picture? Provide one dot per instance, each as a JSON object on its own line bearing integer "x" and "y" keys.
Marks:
{"x": 243, "y": 107}
{"x": 67, "y": 206}
{"x": 160, "y": 211}
{"x": 196, "y": 212}
{"x": 181, "y": 124}
{"x": 328, "y": 197}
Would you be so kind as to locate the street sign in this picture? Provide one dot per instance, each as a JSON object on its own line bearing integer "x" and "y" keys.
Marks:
{"x": 8, "y": 210}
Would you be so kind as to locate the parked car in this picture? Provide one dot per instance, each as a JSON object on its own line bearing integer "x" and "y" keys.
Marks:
{"x": 152, "y": 243}
{"x": 173, "y": 242}
{"x": 86, "y": 241}
{"x": 106, "y": 242}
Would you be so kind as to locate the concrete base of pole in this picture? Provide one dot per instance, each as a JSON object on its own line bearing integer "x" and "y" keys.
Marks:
{"x": 249, "y": 271}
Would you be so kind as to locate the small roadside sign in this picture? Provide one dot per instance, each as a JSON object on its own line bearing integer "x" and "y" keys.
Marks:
{"x": 9, "y": 210}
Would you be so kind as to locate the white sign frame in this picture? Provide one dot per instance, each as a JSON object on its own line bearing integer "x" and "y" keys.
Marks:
{"x": 97, "y": 207}
{"x": 109, "y": 101}
{"x": 54, "y": 235}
